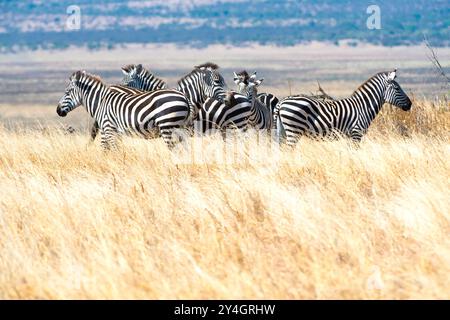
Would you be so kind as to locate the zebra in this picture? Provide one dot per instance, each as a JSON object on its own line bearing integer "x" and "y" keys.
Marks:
{"x": 232, "y": 113}
{"x": 136, "y": 80}
{"x": 200, "y": 84}
{"x": 299, "y": 115}
{"x": 239, "y": 110}
{"x": 267, "y": 99}
{"x": 215, "y": 114}
{"x": 322, "y": 96}
{"x": 261, "y": 115}
{"x": 121, "y": 112}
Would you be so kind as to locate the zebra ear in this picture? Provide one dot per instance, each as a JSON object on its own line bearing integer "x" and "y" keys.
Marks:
{"x": 258, "y": 82}
{"x": 392, "y": 75}
{"x": 77, "y": 76}
{"x": 236, "y": 78}
{"x": 139, "y": 68}
{"x": 253, "y": 76}
{"x": 124, "y": 71}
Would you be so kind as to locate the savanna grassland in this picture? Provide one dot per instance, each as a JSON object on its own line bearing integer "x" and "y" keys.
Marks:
{"x": 323, "y": 220}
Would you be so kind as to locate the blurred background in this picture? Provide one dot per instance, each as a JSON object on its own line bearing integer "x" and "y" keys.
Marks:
{"x": 292, "y": 44}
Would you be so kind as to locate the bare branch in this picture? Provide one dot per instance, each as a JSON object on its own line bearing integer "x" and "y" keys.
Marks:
{"x": 323, "y": 93}
{"x": 435, "y": 61}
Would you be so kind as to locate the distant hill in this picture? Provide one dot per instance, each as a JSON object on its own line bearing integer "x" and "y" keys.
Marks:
{"x": 107, "y": 23}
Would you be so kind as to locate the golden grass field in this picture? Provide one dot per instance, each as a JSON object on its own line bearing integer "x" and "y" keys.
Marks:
{"x": 323, "y": 220}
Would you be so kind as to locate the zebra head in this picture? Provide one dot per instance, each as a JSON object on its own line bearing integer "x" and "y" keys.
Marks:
{"x": 135, "y": 76}
{"x": 132, "y": 75}
{"x": 394, "y": 94}
{"x": 214, "y": 83}
{"x": 247, "y": 84}
{"x": 253, "y": 85}
{"x": 72, "y": 97}
{"x": 241, "y": 79}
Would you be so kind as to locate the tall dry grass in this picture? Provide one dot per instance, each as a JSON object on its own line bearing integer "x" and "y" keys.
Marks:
{"x": 324, "y": 220}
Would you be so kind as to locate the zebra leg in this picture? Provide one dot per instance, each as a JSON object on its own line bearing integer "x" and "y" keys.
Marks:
{"x": 192, "y": 115}
{"x": 170, "y": 135}
{"x": 292, "y": 138}
{"x": 108, "y": 140}
{"x": 356, "y": 135}
{"x": 94, "y": 130}
{"x": 355, "y": 138}
{"x": 280, "y": 134}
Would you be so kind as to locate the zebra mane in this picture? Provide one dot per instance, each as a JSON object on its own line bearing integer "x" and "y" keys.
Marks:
{"x": 207, "y": 65}
{"x": 244, "y": 75}
{"x": 128, "y": 67}
{"x": 82, "y": 73}
{"x": 377, "y": 75}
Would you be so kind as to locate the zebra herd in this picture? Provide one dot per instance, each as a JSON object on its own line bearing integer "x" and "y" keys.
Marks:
{"x": 201, "y": 103}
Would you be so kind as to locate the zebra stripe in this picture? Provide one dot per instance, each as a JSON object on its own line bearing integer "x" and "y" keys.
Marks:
{"x": 120, "y": 112}
{"x": 269, "y": 100}
{"x": 135, "y": 76}
{"x": 136, "y": 80}
{"x": 200, "y": 84}
{"x": 116, "y": 88}
{"x": 215, "y": 115}
{"x": 261, "y": 115}
{"x": 299, "y": 115}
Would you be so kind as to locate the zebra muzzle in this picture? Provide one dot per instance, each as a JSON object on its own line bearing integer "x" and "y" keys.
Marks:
{"x": 61, "y": 112}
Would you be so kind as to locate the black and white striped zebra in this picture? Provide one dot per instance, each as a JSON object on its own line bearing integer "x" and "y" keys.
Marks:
{"x": 214, "y": 114}
{"x": 136, "y": 80}
{"x": 217, "y": 116}
{"x": 200, "y": 84}
{"x": 300, "y": 115}
{"x": 238, "y": 111}
{"x": 261, "y": 113}
{"x": 121, "y": 112}
{"x": 267, "y": 99}
{"x": 117, "y": 88}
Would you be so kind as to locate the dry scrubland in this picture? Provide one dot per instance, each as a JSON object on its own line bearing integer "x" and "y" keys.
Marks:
{"x": 327, "y": 220}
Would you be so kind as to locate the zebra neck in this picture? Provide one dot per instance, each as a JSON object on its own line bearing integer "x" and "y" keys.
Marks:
{"x": 192, "y": 87}
{"x": 252, "y": 97}
{"x": 93, "y": 96}
{"x": 367, "y": 100}
{"x": 150, "y": 83}
{"x": 258, "y": 110}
